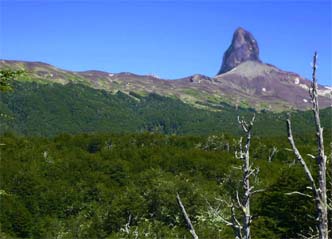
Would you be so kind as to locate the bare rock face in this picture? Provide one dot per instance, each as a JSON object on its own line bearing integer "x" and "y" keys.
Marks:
{"x": 243, "y": 48}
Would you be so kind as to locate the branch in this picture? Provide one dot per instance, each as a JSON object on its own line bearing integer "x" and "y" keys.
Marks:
{"x": 236, "y": 225}
{"x": 127, "y": 226}
{"x": 244, "y": 125}
{"x": 299, "y": 157}
{"x": 298, "y": 193}
{"x": 257, "y": 191}
{"x": 233, "y": 222}
{"x": 239, "y": 202}
{"x": 249, "y": 173}
{"x": 272, "y": 154}
{"x": 188, "y": 221}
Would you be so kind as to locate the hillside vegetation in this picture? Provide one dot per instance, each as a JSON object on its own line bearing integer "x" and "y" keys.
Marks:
{"x": 87, "y": 186}
{"x": 50, "y": 109}
{"x": 77, "y": 162}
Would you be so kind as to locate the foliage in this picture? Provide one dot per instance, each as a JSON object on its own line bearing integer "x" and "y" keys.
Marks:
{"x": 6, "y": 76}
{"x": 50, "y": 109}
{"x": 54, "y": 184}
{"x": 89, "y": 185}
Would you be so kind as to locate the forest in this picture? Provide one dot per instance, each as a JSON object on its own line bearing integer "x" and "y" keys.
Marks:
{"x": 88, "y": 185}
{"x": 85, "y": 174}
{"x": 51, "y": 109}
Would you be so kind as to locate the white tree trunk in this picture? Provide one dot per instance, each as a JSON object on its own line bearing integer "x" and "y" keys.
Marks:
{"x": 188, "y": 221}
{"x": 247, "y": 172}
{"x": 319, "y": 190}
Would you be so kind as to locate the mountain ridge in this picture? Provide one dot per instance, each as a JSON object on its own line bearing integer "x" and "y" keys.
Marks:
{"x": 243, "y": 81}
{"x": 250, "y": 84}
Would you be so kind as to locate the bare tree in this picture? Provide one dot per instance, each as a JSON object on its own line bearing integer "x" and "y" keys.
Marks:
{"x": 244, "y": 202}
{"x": 241, "y": 230}
{"x": 188, "y": 221}
{"x": 318, "y": 186}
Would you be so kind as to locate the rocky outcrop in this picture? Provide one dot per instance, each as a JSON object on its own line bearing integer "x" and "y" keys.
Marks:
{"x": 243, "y": 48}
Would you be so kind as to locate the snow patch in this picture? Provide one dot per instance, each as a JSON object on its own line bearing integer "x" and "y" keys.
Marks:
{"x": 304, "y": 86}
{"x": 232, "y": 69}
{"x": 305, "y": 100}
{"x": 154, "y": 76}
{"x": 110, "y": 74}
{"x": 327, "y": 91}
{"x": 264, "y": 89}
{"x": 297, "y": 80}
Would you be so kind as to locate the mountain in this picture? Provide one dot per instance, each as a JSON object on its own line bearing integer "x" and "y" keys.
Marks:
{"x": 243, "y": 81}
{"x": 243, "y": 48}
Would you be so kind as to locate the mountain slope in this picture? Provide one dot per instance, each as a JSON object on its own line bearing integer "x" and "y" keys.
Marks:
{"x": 50, "y": 109}
{"x": 250, "y": 84}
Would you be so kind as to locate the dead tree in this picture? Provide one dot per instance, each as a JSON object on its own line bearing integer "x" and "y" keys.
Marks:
{"x": 242, "y": 230}
{"x": 244, "y": 202}
{"x": 272, "y": 153}
{"x": 318, "y": 186}
{"x": 186, "y": 217}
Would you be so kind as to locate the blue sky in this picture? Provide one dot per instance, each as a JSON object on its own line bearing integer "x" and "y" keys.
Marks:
{"x": 171, "y": 39}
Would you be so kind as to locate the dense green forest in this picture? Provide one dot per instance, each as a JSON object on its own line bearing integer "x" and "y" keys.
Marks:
{"x": 88, "y": 185}
{"x": 50, "y": 109}
{"x": 83, "y": 163}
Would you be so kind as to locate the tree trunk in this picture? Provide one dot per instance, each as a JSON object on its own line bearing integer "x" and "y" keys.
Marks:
{"x": 246, "y": 187}
{"x": 321, "y": 159}
{"x": 186, "y": 217}
{"x": 319, "y": 191}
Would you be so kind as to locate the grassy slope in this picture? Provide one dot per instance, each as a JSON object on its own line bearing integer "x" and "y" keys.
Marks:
{"x": 50, "y": 109}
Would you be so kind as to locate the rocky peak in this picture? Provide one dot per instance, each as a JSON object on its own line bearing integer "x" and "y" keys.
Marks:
{"x": 243, "y": 48}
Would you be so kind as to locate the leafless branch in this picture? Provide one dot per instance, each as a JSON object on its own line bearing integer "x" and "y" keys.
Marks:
{"x": 257, "y": 191}
{"x": 127, "y": 226}
{"x": 236, "y": 225}
{"x": 245, "y": 126}
{"x": 188, "y": 221}
{"x": 273, "y": 153}
{"x": 239, "y": 202}
{"x": 298, "y": 193}
{"x": 299, "y": 157}
{"x": 311, "y": 156}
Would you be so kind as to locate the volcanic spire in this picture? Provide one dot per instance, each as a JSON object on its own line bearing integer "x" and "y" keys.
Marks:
{"x": 243, "y": 48}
